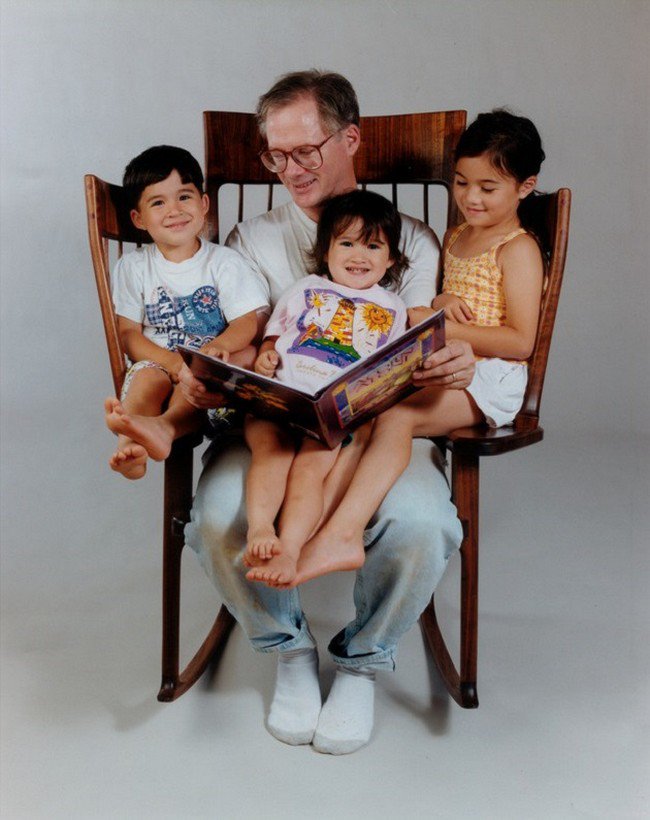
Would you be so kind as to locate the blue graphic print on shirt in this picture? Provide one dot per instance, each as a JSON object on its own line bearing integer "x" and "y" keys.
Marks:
{"x": 189, "y": 320}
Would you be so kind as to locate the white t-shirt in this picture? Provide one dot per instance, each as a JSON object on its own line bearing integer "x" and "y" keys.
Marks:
{"x": 188, "y": 302}
{"x": 277, "y": 244}
{"x": 323, "y": 327}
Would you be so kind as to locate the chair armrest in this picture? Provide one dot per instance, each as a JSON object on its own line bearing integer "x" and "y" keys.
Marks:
{"x": 486, "y": 441}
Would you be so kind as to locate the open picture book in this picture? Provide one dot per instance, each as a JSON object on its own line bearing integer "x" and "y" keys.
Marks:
{"x": 356, "y": 394}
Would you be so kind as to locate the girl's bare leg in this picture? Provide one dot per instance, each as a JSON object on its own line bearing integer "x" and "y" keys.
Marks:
{"x": 273, "y": 451}
{"x": 301, "y": 511}
{"x": 147, "y": 394}
{"x": 339, "y": 477}
{"x": 429, "y": 412}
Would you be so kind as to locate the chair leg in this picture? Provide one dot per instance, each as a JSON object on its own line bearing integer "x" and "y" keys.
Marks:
{"x": 461, "y": 685}
{"x": 177, "y": 504}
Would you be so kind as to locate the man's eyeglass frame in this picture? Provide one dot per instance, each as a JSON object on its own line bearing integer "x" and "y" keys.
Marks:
{"x": 267, "y": 161}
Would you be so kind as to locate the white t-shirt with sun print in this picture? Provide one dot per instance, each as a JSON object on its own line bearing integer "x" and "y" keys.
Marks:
{"x": 322, "y": 327}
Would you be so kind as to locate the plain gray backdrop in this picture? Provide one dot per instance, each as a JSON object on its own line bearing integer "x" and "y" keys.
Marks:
{"x": 86, "y": 86}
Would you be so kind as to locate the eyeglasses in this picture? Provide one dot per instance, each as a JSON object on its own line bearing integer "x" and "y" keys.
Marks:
{"x": 308, "y": 157}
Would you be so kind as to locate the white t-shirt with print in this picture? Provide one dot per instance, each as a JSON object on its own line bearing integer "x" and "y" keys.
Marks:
{"x": 278, "y": 243}
{"x": 188, "y": 302}
{"x": 323, "y": 327}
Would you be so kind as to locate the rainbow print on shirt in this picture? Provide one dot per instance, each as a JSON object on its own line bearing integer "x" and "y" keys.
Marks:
{"x": 340, "y": 330}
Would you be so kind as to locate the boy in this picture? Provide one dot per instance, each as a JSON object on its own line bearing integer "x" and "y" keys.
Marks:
{"x": 178, "y": 290}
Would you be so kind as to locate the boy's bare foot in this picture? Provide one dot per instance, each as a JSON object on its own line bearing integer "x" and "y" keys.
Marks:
{"x": 154, "y": 434}
{"x": 278, "y": 571}
{"x": 262, "y": 542}
{"x": 330, "y": 551}
{"x": 130, "y": 461}
{"x": 113, "y": 409}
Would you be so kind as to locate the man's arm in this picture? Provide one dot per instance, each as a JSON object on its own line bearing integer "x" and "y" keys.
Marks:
{"x": 421, "y": 246}
{"x": 236, "y": 242}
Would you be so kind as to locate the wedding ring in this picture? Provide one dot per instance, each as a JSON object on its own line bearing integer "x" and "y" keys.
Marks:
{"x": 453, "y": 377}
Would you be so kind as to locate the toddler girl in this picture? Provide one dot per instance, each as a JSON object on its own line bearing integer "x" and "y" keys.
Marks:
{"x": 321, "y": 324}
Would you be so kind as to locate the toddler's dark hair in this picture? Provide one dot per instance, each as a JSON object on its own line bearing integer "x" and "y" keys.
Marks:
{"x": 377, "y": 214}
{"x": 514, "y": 147}
{"x": 156, "y": 164}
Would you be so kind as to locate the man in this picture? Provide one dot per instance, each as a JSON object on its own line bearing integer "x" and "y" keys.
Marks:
{"x": 310, "y": 120}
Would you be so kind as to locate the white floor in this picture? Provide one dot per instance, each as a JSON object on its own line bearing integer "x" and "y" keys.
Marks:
{"x": 561, "y": 732}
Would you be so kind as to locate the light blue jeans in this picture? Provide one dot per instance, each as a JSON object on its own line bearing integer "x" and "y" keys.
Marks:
{"x": 408, "y": 544}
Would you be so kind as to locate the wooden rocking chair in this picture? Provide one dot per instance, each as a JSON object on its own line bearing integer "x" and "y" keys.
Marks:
{"x": 401, "y": 150}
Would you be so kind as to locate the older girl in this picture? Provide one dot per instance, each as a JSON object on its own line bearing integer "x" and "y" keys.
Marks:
{"x": 492, "y": 286}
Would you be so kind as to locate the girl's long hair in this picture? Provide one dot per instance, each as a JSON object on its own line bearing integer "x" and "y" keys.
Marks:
{"x": 514, "y": 147}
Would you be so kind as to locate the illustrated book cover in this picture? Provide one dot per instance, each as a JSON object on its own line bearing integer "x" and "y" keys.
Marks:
{"x": 356, "y": 394}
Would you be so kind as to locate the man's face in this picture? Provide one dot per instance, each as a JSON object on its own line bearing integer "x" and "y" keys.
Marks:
{"x": 296, "y": 124}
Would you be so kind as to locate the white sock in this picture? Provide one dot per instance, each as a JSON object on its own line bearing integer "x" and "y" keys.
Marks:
{"x": 296, "y": 702}
{"x": 346, "y": 719}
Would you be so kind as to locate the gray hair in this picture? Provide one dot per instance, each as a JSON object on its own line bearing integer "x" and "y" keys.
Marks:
{"x": 335, "y": 98}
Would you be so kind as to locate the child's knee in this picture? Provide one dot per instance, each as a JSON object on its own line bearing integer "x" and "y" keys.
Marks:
{"x": 152, "y": 379}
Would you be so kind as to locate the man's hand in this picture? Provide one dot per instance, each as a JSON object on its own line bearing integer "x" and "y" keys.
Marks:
{"x": 452, "y": 366}
{"x": 267, "y": 363}
{"x": 455, "y": 308}
{"x": 196, "y": 393}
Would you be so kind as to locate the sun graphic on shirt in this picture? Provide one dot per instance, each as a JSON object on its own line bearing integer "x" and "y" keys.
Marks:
{"x": 377, "y": 318}
{"x": 317, "y": 300}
